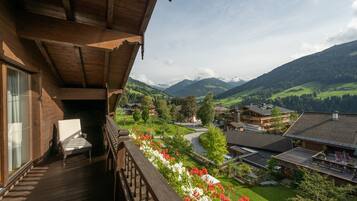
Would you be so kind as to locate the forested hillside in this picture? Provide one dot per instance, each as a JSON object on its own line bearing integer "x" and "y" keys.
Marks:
{"x": 337, "y": 64}
{"x": 135, "y": 90}
{"x": 324, "y": 82}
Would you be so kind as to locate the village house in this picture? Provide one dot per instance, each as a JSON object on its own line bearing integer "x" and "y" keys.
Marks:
{"x": 256, "y": 148}
{"x": 325, "y": 143}
{"x": 261, "y": 115}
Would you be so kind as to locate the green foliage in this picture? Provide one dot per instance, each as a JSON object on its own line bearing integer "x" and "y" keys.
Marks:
{"x": 123, "y": 100}
{"x": 277, "y": 121}
{"x": 154, "y": 124}
{"x": 206, "y": 111}
{"x": 215, "y": 145}
{"x": 135, "y": 90}
{"x": 331, "y": 66}
{"x": 173, "y": 112}
{"x": 200, "y": 88}
{"x": 189, "y": 107}
{"x": 163, "y": 110}
{"x": 146, "y": 102}
{"x": 294, "y": 116}
{"x": 243, "y": 169}
{"x": 136, "y": 115}
{"x": 178, "y": 145}
{"x": 276, "y": 174}
{"x": 145, "y": 114}
{"x": 316, "y": 187}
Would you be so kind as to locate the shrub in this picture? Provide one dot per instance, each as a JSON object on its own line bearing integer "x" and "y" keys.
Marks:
{"x": 145, "y": 114}
{"x": 136, "y": 115}
{"x": 216, "y": 145}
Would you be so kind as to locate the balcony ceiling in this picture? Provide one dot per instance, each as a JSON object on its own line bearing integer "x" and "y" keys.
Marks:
{"x": 86, "y": 43}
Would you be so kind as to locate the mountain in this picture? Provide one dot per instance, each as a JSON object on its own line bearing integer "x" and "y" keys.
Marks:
{"x": 136, "y": 89}
{"x": 199, "y": 87}
{"x": 160, "y": 87}
{"x": 237, "y": 83}
{"x": 321, "y": 71}
{"x": 174, "y": 89}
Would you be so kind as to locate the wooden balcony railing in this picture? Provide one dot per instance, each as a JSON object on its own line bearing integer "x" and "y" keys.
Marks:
{"x": 135, "y": 177}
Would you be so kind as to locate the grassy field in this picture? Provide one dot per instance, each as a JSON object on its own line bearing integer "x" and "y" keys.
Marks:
{"x": 154, "y": 124}
{"x": 257, "y": 193}
{"x": 304, "y": 89}
{"x": 321, "y": 91}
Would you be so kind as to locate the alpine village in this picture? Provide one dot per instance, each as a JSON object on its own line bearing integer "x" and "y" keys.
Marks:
{"x": 77, "y": 125}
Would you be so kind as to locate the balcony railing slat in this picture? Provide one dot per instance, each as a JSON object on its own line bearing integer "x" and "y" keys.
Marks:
{"x": 133, "y": 165}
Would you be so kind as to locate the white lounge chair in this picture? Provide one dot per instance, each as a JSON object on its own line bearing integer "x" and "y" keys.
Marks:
{"x": 71, "y": 138}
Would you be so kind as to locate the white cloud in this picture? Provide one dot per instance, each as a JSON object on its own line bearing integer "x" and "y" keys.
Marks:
{"x": 143, "y": 78}
{"x": 204, "y": 73}
{"x": 349, "y": 33}
{"x": 168, "y": 62}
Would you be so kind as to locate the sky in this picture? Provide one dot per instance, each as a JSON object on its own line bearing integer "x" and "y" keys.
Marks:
{"x": 238, "y": 39}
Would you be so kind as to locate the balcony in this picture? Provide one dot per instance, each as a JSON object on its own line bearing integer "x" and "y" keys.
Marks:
{"x": 123, "y": 173}
{"x": 312, "y": 160}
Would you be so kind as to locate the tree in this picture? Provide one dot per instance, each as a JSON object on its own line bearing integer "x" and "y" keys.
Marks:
{"x": 316, "y": 187}
{"x": 277, "y": 121}
{"x": 216, "y": 145}
{"x": 189, "y": 107}
{"x": 206, "y": 111}
{"x": 123, "y": 100}
{"x": 294, "y": 116}
{"x": 173, "y": 112}
{"x": 136, "y": 115}
{"x": 178, "y": 145}
{"x": 146, "y": 101}
{"x": 145, "y": 114}
{"x": 163, "y": 110}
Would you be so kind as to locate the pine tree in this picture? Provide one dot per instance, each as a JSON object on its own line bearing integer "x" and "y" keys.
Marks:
{"x": 206, "y": 111}
{"x": 216, "y": 146}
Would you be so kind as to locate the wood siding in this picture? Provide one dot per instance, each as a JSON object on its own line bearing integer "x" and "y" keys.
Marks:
{"x": 45, "y": 110}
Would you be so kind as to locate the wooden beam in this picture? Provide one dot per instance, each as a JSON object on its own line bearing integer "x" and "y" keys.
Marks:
{"x": 112, "y": 92}
{"x": 3, "y": 125}
{"x": 150, "y": 5}
{"x": 82, "y": 94}
{"x": 43, "y": 28}
{"x": 79, "y": 56}
{"x": 49, "y": 61}
{"x": 130, "y": 64}
{"x": 127, "y": 72}
{"x": 106, "y": 68}
{"x": 110, "y": 13}
{"x": 67, "y": 5}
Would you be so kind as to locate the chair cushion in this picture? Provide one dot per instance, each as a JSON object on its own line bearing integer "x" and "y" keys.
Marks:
{"x": 76, "y": 144}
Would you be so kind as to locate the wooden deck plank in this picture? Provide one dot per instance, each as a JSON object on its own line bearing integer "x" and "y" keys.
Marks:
{"x": 80, "y": 180}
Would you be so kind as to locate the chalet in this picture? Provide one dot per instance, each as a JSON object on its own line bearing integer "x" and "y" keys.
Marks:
{"x": 261, "y": 115}
{"x": 71, "y": 59}
{"x": 256, "y": 148}
{"x": 325, "y": 143}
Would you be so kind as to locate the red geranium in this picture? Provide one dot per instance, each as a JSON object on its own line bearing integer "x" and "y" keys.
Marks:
{"x": 244, "y": 198}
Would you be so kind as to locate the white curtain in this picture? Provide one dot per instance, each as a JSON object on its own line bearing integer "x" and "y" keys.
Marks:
{"x": 17, "y": 97}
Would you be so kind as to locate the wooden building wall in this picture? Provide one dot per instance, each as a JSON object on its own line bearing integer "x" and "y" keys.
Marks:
{"x": 45, "y": 109}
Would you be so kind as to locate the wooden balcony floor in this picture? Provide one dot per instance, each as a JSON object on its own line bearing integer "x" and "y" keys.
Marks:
{"x": 79, "y": 180}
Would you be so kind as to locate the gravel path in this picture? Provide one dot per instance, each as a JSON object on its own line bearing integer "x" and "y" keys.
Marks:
{"x": 194, "y": 139}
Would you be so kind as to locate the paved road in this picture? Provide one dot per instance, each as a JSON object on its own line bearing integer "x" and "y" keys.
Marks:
{"x": 194, "y": 139}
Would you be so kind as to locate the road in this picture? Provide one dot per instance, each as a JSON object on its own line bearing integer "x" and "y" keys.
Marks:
{"x": 194, "y": 139}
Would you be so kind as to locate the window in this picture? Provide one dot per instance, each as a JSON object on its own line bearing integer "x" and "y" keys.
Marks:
{"x": 18, "y": 105}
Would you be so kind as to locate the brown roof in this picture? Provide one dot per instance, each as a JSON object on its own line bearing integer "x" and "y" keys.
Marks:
{"x": 321, "y": 128}
{"x": 251, "y": 139}
{"x": 266, "y": 109}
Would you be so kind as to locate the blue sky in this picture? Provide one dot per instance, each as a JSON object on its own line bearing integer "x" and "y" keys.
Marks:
{"x": 238, "y": 39}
